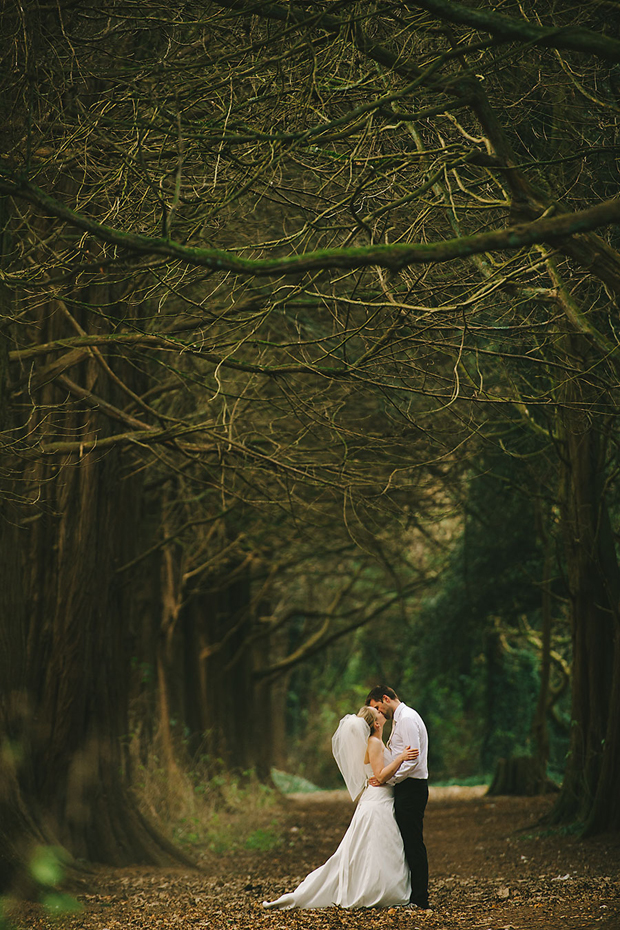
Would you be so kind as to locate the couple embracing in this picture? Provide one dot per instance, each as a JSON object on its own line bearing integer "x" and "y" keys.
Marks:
{"x": 381, "y": 861}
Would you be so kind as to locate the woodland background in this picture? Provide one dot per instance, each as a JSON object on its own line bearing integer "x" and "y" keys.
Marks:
{"x": 309, "y": 379}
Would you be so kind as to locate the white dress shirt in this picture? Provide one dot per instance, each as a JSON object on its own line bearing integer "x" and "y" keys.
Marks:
{"x": 408, "y": 730}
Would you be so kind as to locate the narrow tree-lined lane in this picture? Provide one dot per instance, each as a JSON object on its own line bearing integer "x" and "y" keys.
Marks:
{"x": 492, "y": 867}
{"x": 309, "y": 380}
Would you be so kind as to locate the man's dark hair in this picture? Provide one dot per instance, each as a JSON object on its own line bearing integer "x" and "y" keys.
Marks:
{"x": 377, "y": 693}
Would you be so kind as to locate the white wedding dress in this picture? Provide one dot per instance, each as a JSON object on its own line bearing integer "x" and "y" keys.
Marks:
{"x": 368, "y": 869}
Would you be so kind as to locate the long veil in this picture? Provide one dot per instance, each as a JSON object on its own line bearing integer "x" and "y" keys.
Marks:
{"x": 349, "y": 748}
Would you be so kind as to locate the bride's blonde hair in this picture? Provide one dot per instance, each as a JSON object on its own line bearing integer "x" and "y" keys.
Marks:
{"x": 369, "y": 714}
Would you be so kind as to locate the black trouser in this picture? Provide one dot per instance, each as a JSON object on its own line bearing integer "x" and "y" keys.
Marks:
{"x": 410, "y": 797}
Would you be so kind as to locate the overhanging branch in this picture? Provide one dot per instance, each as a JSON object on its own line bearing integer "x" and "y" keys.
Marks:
{"x": 394, "y": 257}
{"x": 506, "y": 29}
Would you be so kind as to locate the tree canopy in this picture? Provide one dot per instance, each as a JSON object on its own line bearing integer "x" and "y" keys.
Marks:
{"x": 284, "y": 285}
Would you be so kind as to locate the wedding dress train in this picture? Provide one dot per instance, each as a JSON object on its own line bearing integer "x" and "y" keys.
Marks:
{"x": 368, "y": 869}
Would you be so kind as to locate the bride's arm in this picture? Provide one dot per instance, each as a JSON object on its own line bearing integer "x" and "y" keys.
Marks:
{"x": 375, "y": 755}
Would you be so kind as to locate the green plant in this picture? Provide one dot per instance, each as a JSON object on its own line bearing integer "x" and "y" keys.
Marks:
{"x": 209, "y": 810}
{"x": 47, "y": 866}
{"x": 264, "y": 840}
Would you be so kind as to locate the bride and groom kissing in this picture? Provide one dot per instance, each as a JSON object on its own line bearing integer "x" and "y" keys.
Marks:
{"x": 381, "y": 861}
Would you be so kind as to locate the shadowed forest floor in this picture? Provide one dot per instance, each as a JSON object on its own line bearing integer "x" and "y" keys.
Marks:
{"x": 492, "y": 868}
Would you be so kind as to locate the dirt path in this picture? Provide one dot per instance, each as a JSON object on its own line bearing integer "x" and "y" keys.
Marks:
{"x": 492, "y": 868}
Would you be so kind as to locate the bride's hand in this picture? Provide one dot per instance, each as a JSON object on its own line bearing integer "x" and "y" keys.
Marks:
{"x": 409, "y": 754}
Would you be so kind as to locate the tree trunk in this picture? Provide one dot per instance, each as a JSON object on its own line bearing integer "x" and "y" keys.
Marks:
{"x": 589, "y": 793}
{"x": 540, "y": 728}
{"x": 605, "y": 811}
{"x": 78, "y": 672}
{"x": 68, "y": 616}
{"x": 17, "y": 827}
{"x": 527, "y": 775}
{"x": 519, "y": 776}
{"x": 227, "y": 711}
{"x": 170, "y": 674}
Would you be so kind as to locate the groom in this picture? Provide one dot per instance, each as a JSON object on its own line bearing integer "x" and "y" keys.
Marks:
{"x": 410, "y": 784}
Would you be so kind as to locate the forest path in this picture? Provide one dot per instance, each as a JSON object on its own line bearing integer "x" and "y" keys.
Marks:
{"x": 492, "y": 868}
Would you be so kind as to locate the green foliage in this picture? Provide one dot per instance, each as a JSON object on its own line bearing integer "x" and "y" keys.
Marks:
{"x": 290, "y": 784}
{"x": 568, "y": 829}
{"x": 226, "y": 831}
{"x": 47, "y": 865}
{"x": 5, "y": 923}
{"x": 145, "y": 670}
{"x": 263, "y": 840}
{"x": 322, "y": 691}
{"x": 201, "y": 810}
{"x": 461, "y": 654}
{"x": 58, "y": 904}
{"x": 455, "y": 727}
{"x": 472, "y": 668}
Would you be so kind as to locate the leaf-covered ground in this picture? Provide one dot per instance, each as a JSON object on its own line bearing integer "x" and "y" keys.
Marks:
{"x": 493, "y": 867}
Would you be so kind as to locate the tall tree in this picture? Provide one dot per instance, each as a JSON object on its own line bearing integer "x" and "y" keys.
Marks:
{"x": 308, "y": 256}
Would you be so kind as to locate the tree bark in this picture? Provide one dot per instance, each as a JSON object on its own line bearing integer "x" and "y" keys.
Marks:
{"x": 227, "y": 711}
{"x": 17, "y": 828}
{"x": 589, "y": 792}
{"x": 540, "y": 728}
{"x": 68, "y": 616}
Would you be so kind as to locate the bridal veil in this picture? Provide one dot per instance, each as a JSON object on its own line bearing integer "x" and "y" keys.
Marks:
{"x": 349, "y": 748}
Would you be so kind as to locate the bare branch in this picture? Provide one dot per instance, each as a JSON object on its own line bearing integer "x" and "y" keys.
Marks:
{"x": 394, "y": 257}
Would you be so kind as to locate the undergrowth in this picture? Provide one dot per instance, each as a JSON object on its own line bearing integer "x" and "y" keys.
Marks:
{"x": 210, "y": 813}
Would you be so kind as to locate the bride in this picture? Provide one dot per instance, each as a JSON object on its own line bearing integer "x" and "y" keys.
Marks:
{"x": 369, "y": 868}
